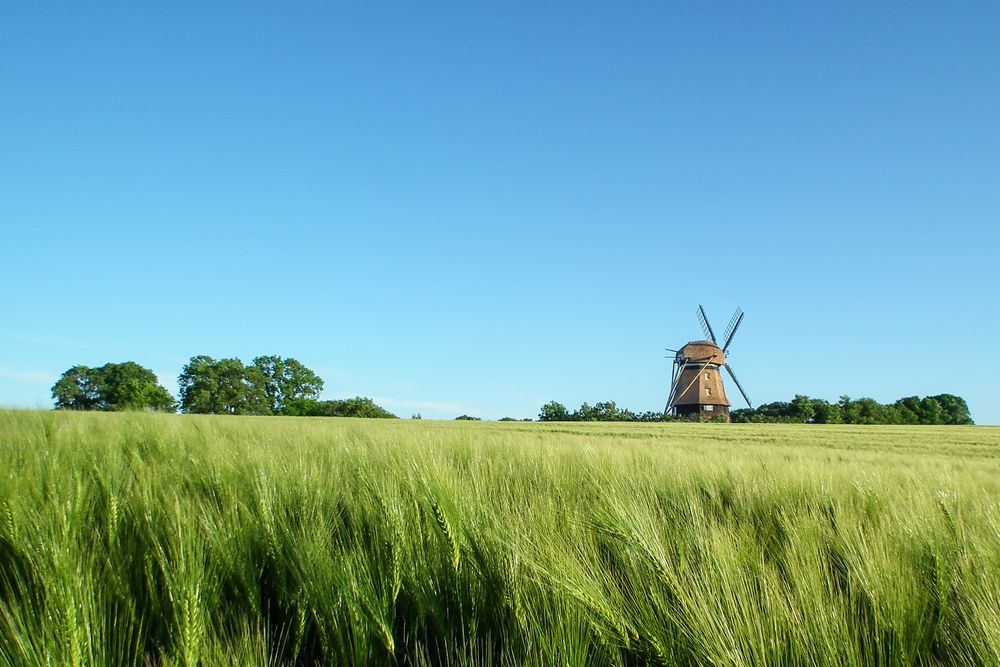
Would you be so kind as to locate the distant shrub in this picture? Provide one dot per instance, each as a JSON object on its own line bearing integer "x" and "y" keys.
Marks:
{"x": 359, "y": 406}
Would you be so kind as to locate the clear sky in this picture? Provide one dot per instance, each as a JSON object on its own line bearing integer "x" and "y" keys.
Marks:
{"x": 480, "y": 207}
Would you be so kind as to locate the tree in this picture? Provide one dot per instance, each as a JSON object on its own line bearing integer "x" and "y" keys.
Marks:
{"x": 955, "y": 409}
{"x": 199, "y": 386}
{"x": 467, "y": 418}
{"x": 218, "y": 387}
{"x": 931, "y": 411}
{"x": 129, "y": 386}
{"x": 79, "y": 388}
{"x": 802, "y": 409}
{"x": 280, "y": 381}
{"x": 870, "y": 411}
{"x": 849, "y": 410}
{"x": 825, "y": 412}
{"x": 553, "y": 412}
{"x": 124, "y": 386}
{"x": 908, "y": 410}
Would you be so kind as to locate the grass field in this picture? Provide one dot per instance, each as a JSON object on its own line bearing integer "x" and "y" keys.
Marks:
{"x": 136, "y": 539}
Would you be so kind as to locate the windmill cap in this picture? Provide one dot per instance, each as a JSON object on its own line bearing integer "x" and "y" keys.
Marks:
{"x": 703, "y": 350}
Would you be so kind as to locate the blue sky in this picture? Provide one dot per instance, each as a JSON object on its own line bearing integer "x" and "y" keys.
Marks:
{"x": 455, "y": 208}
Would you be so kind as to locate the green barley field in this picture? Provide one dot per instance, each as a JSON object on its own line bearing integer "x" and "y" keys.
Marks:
{"x": 140, "y": 539}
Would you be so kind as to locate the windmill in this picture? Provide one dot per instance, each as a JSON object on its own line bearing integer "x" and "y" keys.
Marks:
{"x": 696, "y": 381}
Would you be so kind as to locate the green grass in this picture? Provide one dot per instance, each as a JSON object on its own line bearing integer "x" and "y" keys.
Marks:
{"x": 133, "y": 539}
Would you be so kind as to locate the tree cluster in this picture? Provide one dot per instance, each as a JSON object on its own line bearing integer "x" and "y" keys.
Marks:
{"x": 269, "y": 385}
{"x": 941, "y": 409}
{"x": 112, "y": 387}
{"x": 944, "y": 409}
{"x": 605, "y": 411}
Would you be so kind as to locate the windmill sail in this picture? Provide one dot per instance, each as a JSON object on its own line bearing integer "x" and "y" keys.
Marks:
{"x": 705, "y": 326}
{"x": 739, "y": 386}
{"x": 734, "y": 324}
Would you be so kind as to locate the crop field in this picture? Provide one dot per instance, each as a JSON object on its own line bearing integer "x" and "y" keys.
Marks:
{"x": 141, "y": 539}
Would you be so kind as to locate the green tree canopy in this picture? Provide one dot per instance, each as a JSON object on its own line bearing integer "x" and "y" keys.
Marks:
{"x": 825, "y": 412}
{"x": 553, "y": 412}
{"x": 271, "y": 385}
{"x": 802, "y": 408}
{"x": 283, "y": 380}
{"x": 954, "y": 409}
{"x": 220, "y": 387}
{"x": 79, "y": 388}
{"x": 113, "y": 386}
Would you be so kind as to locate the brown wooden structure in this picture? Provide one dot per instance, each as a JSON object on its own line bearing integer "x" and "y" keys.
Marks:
{"x": 696, "y": 387}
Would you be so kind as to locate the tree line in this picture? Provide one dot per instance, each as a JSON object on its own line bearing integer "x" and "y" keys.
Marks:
{"x": 273, "y": 385}
{"x": 269, "y": 385}
{"x": 606, "y": 411}
{"x": 943, "y": 409}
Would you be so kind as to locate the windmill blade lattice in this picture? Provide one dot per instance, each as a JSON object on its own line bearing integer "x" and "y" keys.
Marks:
{"x": 705, "y": 326}
{"x": 734, "y": 324}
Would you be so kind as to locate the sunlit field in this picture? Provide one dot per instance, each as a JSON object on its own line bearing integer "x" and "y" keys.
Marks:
{"x": 138, "y": 539}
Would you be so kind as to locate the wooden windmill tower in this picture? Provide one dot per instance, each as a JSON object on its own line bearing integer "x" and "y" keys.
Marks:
{"x": 696, "y": 387}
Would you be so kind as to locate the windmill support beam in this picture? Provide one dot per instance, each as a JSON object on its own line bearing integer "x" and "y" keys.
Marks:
{"x": 673, "y": 382}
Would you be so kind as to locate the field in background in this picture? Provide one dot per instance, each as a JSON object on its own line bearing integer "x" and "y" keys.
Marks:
{"x": 134, "y": 539}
